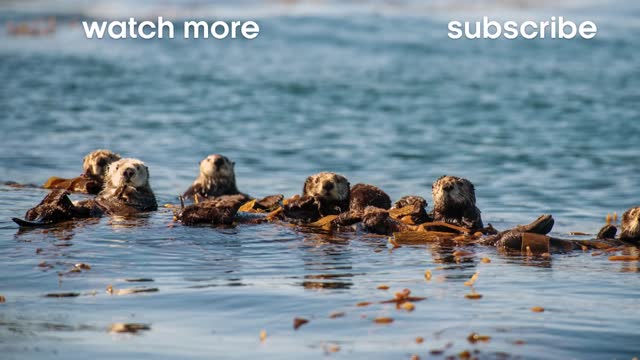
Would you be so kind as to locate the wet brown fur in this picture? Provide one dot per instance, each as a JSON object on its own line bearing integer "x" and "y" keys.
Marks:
{"x": 454, "y": 202}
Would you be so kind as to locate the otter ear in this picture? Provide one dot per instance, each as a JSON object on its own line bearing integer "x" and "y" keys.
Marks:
{"x": 233, "y": 164}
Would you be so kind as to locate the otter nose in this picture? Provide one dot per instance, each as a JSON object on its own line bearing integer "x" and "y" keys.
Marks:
{"x": 219, "y": 162}
{"x": 128, "y": 173}
{"x": 328, "y": 186}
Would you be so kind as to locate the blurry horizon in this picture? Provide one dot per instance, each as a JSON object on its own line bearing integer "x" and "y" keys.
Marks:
{"x": 182, "y": 9}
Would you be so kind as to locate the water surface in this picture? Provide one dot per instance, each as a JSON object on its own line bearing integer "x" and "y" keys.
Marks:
{"x": 380, "y": 96}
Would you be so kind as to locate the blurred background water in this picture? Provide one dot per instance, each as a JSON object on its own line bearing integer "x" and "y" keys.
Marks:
{"x": 371, "y": 89}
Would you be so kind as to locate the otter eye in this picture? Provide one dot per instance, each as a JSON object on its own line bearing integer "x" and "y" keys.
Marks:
{"x": 102, "y": 162}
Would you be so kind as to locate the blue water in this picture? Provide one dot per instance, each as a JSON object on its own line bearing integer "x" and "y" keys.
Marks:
{"x": 374, "y": 91}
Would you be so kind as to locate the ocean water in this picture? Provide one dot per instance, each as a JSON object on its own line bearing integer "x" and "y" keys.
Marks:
{"x": 373, "y": 90}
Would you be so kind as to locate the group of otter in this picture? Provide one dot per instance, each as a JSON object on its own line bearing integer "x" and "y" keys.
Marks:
{"x": 121, "y": 186}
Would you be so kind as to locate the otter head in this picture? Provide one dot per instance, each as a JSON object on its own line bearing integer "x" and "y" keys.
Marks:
{"x": 631, "y": 225}
{"x": 330, "y": 190}
{"x": 217, "y": 166}
{"x": 452, "y": 194}
{"x": 327, "y": 185}
{"x": 95, "y": 164}
{"x": 128, "y": 172}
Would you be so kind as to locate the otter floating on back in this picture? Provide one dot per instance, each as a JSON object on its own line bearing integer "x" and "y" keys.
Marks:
{"x": 454, "y": 202}
{"x": 127, "y": 189}
{"x": 630, "y": 227}
{"x": 126, "y": 192}
{"x": 330, "y": 190}
{"x": 323, "y": 194}
{"x": 217, "y": 178}
{"x": 91, "y": 181}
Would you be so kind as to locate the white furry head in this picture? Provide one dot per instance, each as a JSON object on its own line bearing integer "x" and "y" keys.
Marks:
{"x": 327, "y": 185}
{"x": 95, "y": 164}
{"x": 631, "y": 224}
{"x": 451, "y": 193}
{"x": 130, "y": 172}
{"x": 217, "y": 166}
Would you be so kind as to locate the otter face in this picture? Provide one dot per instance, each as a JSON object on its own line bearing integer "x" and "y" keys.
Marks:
{"x": 95, "y": 164}
{"x": 217, "y": 166}
{"x": 131, "y": 172}
{"x": 631, "y": 225}
{"x": 327, "y": 185}
{"x": 450, "y": 192}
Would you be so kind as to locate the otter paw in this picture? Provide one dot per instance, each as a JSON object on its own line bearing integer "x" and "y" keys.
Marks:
{"x": 607, "y": 232}
{"x": 303, "y": 209}
{"x": 542, "y": 225}
{"x": 56, "y": 207}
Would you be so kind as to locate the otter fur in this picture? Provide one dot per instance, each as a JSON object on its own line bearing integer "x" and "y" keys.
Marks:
{"x": 454, "y": 202}
{"x": 56, "y": 207}
{"x": 223, "y": 210}
{"x": 363, "y": 195}
{"x": 91, "y": 181}
{"x": 410, "y": 200}
{"x": 96, "y": 163}
{"x": 534, "y": 239}
{"x": 419, "y": 214}
{"x": 217, "y": 177}
{"x": 301, "y": 209}
{"x": 126, "y": 192}
{"x": 330, "y": 190}
{"x": 126, "y": 189}
{"x": 219, "y": 211}
{"x": 630, "y": 227}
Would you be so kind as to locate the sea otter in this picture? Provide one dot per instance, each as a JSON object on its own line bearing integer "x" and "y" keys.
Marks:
{"x": 216, "y": 178}
{"x": 454, "y": 202}
{"x": 323, "y": 194}
{"x": 631, "y": 225}
{"x": 96, "y": 163}
{"x": 218, "y": 211}
{"x": 126, "y": 189}
{"x": 330, "y": 190}
{"x": 533, "y": 238}
{"x": 364, "y": 200}
{"x": 224, "y": 210}
{"x": 630, "y": 228}
{"x": 91, "y": 181}
{"x": 363, "y": 195}
{"x": 126, "y": 192}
